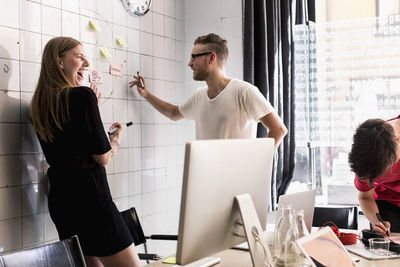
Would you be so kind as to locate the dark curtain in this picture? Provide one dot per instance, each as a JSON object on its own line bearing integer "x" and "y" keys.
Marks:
{"x": 269, "y": 65}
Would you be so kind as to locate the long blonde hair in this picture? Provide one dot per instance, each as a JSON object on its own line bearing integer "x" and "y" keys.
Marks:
{"x": 49, "y": 105}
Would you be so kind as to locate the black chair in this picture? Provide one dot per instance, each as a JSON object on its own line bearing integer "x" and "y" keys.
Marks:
{"x": 65, "y": 253}
{"x": 345, "y": 217}
{"x": 132, "y": 221}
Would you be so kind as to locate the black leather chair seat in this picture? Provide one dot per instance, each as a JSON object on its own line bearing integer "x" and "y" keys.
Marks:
{"x": 65, "y": 253}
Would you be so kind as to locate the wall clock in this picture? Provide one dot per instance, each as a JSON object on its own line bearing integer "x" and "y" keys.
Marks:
{"x": 137, "y": 7}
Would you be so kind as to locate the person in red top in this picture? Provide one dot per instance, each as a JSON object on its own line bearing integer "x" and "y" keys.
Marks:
{"x": 374, "y": 158}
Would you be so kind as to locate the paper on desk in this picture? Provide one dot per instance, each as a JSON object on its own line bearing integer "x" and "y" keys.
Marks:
{"x": 170, "y": 260}
{"x": 203, "y": 262}
{"x": 395, "y": 237}
{"x": 360, "y": 250}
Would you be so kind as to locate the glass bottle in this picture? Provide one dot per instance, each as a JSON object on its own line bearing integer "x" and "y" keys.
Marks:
{"x": 281, "y": 231}
{"x": 291, "y": 250}
{"x": 279, "y": 213}
{"x": 301, "y": 226}
{"x": 278, "y": 217}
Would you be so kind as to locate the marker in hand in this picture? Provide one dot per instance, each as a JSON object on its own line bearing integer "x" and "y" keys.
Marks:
{"x": 381, "y": 220}
{"x": 141, "y": 83}
{"x": 115, "y": 129}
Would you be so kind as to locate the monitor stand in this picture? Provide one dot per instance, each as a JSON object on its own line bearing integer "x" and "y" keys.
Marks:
{"x": 256, "y": 239}
{"x": 204, "y": 262}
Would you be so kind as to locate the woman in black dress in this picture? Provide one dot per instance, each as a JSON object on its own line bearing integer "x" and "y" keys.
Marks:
{"x": 67, "y": 121}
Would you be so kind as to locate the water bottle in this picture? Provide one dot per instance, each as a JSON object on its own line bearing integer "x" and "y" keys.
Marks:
{"x": 301, "y": 226}
{"x": 292, "y": 252}
{"x": 281, "y": 230}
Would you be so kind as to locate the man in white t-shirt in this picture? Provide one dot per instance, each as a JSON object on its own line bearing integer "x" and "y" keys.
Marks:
{"x": 226, "y": 107}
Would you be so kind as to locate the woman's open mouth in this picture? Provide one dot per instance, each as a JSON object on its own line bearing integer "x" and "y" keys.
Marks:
{"x": 80, "y": 73}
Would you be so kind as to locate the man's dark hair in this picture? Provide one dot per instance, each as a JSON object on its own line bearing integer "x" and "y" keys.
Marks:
{"x": 374, "y": 149}
{"x": 215, "y": 44}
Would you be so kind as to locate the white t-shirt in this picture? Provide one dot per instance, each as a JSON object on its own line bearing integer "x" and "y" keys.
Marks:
{"x": 234, "y": 113}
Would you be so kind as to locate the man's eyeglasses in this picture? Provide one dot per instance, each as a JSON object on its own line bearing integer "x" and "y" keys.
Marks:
{"x": 193, "y": 56}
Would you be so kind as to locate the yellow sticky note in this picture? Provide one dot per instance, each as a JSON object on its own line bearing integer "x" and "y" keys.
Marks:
{"x": 94, "y": 25}
{"x": 121, "y": 41}
{"x": 105, "y": 52}
{"x": 170, "y": 260}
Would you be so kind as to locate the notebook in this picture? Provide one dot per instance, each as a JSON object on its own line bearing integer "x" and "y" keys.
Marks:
{"x": 323, "y": 248}
{"x": 301, "y": 201}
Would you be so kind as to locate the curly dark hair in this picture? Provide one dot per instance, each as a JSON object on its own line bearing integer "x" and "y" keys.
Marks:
{"x": 374, "y": 149}
{"x": 216, "y": 44}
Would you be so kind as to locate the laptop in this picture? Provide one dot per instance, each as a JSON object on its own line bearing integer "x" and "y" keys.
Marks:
{"x": 323, "y": 248}
{"x": 300, "y": 201}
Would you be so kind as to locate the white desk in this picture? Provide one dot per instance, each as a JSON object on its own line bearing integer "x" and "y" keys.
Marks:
{"x": 229, "y": 258}
{"x": 241, "y": 258}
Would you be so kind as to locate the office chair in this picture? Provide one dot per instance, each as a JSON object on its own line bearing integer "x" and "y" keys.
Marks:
{"x": 345, "y": 217}
{"x": 65, "y": 253}
{"x": 132, "y": 221}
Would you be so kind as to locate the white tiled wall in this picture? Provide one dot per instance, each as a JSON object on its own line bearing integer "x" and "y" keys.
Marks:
{"x": 147, "y": 172}
{"x": 223, "y": 17}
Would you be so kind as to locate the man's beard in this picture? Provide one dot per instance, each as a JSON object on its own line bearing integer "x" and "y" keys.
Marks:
{"x": 200, "y": 75}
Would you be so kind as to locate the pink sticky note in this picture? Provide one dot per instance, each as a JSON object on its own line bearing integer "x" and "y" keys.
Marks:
{"x": 116, "y": 69}
{"x": 96, "y": 77}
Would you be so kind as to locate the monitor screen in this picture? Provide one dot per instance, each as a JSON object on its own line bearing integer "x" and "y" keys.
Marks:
{"x": 215, "y": 171}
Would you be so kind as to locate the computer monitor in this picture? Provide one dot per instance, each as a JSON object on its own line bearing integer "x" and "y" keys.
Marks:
{"x": 300, "y": 201}
{"x": 215, "y": 171}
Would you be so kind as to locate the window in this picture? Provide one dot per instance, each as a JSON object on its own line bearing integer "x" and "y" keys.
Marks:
{"x": 347, "y": 70}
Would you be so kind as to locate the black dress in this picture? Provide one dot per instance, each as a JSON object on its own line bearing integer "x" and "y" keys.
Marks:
{"x": 80, "y": 202}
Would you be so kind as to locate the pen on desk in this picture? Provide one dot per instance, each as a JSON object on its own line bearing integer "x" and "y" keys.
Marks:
{"x": 115, "y": 129}
{"x": 141, "y": 83}
{"x": 381, "y": 220}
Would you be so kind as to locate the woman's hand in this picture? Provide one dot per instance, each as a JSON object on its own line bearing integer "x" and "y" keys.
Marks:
{"x": 381, "y": 228}
{"x": 139, "y": 80}
{"x": 93, "y": 86}
{"x": 116, "y": 136}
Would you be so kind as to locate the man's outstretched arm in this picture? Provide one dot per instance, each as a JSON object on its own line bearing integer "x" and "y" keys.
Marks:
{"x": 165, "y": 108}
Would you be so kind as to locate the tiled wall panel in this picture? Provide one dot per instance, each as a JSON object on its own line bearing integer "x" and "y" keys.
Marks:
{"x": 147, "y": 173}
{"x": 25, "y": 28}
